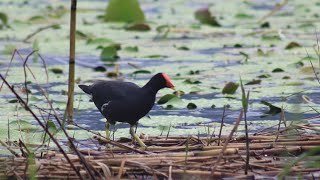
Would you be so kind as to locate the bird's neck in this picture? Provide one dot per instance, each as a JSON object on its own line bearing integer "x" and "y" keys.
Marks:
{"x": 151, "y": 87}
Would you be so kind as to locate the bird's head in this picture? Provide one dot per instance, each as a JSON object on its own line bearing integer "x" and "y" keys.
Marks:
{"x": 167, "y": 81}
{"x": 159, "y": 81}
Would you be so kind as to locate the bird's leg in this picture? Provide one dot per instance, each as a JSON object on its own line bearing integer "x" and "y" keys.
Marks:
{"x": 136, "y": 137}
{"x": 107, "y": 130}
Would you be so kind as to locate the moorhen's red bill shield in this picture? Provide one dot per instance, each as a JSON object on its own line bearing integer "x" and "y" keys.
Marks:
{"x": 125, "y": 101}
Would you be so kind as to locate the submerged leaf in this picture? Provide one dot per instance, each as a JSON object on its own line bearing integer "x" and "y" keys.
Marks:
{"x": 230, "y": 88}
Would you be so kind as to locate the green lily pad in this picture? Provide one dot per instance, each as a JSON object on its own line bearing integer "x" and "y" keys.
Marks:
{"x": 273, "y": 110}
{"x": 56, "y": 70}
{"x": 128, "y": 11}
{"x": 109, "y": 53}
{"x": 265, "y": 25}
{"x": 277, "y": 70}
{"x": 230, "y": 88}
{"x": 141, "y": 71}
{"x": 4, "y": 18}
{"x": 192, "y": 81}
{"x": 131, "y": 49}
{"x": 253, "y": 82}
{"x": 293, "y": 45}
{"x": 138, "y": 27}
{"x": 164, "y": 99}
{"x": 204, "y": 16}
{"x": 191, "y": 106}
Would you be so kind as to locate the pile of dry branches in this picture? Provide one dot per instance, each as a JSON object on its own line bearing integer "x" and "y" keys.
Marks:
{"x": 272, "y": 154}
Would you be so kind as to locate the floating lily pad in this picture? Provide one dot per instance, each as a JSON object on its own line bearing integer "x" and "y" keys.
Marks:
{"x": 204, "y": 16}
{"x": 292, "y": 45}
{"x": 156, "y": 56}
{"x": 141, "y": 71}
{"x": 131, "y": 49}
{"x": 128, "y": 11}
{"x": 191, "y": 106}
{"x": 164, "y": 99}
{"x": 253, "y": 82}
{"x": 194, "y": 90}
{"x": 4, "y": 18}
{"x": 277, "y": 70}
{"x": 13, "y": 101}
{"x": 100, "y": 69}
{"x": 100, "y": 41}
{"x": 184, "y": 48}
{"x": 265, "y": 25}
{"x": 230, "y": 88}
{"x": 109, "y": 53}
{"x": 264, "y": 76}
{"x": 273, "y": 110}
{"x": 192, "y": 81}
{"x": 56, "y": 70}
{"x": 138, "y": 27}
{"x": 244, "y": 16}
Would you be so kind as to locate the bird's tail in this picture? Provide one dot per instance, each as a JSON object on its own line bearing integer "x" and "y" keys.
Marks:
{"x": 85, "y": 88}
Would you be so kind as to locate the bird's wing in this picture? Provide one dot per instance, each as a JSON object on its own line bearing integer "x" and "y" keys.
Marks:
{"x": 105, "y": 91}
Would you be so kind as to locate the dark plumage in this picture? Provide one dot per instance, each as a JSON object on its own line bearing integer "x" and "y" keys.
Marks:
{"x": 124, "y": 101}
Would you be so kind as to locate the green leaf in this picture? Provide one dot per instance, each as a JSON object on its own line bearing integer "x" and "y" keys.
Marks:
{"x": 109, "y": 53}
{"x": 4, "y": 18}
{"x": 264, "y": 76}
{"x": 13, "y": 101}
{"x": 142, "y": 71}
{"x": 277, "y": 70}
{"x": 131, "y": 49}
{"x": 164, "y": 99}
{"x": 191, "y": 106}
{"x": 9, "y": 48}
{"x": 100, "y": 41}
{"x": 230, "y": 88}
{"x": 120, "y": 11}
{"x": 244, "y": 99}
{"x": 183, "y": 48}
{"x": 138, "y": 27}
{"x": 194, "y": 90}
{"x": 156, "y": 56}
{"x": 273, "y": 110}
{"x": 293, "y": 45}
{"x": 56, "y": 70}
{"x": 52, "y": 128}
{"x": 265, "y": 25}
{"x": 204, "y": 16}
{"x": 191, "y": 81}
{"x": 244, "y": 16}
{"x": 253, "y": 82}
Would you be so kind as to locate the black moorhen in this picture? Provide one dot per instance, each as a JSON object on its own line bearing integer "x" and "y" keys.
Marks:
{"x": 125, "y": 101}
